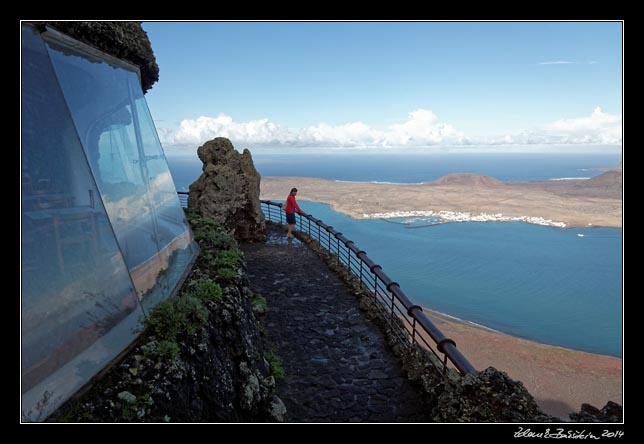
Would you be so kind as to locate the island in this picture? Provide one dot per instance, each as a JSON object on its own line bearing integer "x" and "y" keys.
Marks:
{"x": 464, "y": 197}
{"x": 560, "y": 379}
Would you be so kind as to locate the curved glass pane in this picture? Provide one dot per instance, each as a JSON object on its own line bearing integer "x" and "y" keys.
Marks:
{"x": 98, "y": 97}
{"x": 131, "y": 171}
{"x": 78, "y": 304}
{"x": 176, "y": 243}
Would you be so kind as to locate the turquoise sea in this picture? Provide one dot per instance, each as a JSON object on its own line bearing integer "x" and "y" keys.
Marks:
{"x": 540, "y": 283}
{"x": 556, "y": 286}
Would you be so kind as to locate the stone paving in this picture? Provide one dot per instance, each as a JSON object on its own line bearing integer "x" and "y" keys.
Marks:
{"x": 338, "y": 366}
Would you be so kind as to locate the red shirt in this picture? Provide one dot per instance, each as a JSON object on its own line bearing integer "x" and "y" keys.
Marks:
{"x": 291, "y": 205}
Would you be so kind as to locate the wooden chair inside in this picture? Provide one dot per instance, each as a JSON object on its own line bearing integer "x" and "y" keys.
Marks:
{"x": 76, "y": 239}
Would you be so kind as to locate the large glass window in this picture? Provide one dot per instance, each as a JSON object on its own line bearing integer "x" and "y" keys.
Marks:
{"x": 101, "y": 221}
{"x": 177, "y": 248}
{"x": 75, "y": 286}
{"x": 125, "y": 155}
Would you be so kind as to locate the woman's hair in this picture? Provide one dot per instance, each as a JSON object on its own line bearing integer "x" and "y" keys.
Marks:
{"x": 293, "y": 190}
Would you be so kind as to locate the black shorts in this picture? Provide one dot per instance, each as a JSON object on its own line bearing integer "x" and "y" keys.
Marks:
{"x": 290, "y": 218}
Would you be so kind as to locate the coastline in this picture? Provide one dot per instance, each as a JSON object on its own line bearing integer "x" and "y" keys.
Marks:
{"x": 560, "y": 379}
{"x": 463, "y": 197}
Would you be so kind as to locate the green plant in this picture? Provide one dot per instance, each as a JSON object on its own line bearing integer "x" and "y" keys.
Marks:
{"x": 161, "y": 351}
{"x": 205, "y": 290}
{"x": 194, "y": 313}
{"x": 133, "y": 410}
{"x": 259, "y": 303}
{"x": 276, "y": 366}
{"x": 165, "y": 321}
{"x": 210, "y": 234}
{"x": 228, "y": 258}
{"x": 217, "y": 240}
{"x": 226, "y": 264}
{"x": 226, "y": 274}
{"x": 174, "y": 316}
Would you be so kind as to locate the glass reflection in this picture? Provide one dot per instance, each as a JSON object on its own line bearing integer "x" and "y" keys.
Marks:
{"x": 75, "y": 287}
{"x": 127, "y": 160}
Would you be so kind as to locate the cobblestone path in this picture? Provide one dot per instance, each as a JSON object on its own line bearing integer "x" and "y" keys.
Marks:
{"x": 338, "y": 366}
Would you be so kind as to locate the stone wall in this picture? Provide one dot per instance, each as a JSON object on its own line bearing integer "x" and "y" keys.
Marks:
{"x": 227, "y": 191}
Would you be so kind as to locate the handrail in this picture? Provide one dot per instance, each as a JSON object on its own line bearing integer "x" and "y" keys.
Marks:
{"x": 408, "y": 319}
{"x": 183, "y": 198}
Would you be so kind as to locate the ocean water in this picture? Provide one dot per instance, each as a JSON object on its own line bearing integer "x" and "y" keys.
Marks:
{"x": 540, "y": 283}
{"x": 410, "y": 168}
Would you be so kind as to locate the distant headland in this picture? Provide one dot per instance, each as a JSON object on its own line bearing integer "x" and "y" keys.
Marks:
{"x": 468, "y": 197}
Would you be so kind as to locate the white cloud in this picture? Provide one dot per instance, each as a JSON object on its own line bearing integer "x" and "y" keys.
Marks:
{"x": 197, "y": 131}
{"x": 557, "y": 62}
{"x": 421, "y": 129}
{"x": 597, "y": 129}
{"x": 600, "y": 127}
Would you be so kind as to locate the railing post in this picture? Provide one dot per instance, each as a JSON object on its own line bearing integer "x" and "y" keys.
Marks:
{"x": 360, "y": 271}
{"x": 413, "y": 331}
{"x": 375, "y": 286}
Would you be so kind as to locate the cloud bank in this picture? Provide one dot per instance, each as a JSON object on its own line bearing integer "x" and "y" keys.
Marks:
{"x": 421, "y": 129}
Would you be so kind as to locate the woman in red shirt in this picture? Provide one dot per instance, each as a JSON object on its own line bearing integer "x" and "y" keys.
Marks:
{"x": 291, "y": 208}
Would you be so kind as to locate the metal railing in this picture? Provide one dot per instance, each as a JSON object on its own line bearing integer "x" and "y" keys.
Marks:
{"x": 409, "y": 323}
{"x": 183, "y": 198}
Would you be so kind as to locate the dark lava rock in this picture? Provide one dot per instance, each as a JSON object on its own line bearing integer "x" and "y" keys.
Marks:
{"x": 227, "y": 191}
{"x": 124, "y": 40}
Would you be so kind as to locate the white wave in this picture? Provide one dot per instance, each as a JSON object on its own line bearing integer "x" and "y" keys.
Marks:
{"x": 571, "y": 178}
{"x": 465, "y": 321}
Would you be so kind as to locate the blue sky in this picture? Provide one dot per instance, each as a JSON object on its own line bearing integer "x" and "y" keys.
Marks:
{"x": 388, "y": 84}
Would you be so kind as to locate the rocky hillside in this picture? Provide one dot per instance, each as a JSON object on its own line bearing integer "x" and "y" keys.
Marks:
{"x": 467, "y": 180}
{"x": 607, "y": 185}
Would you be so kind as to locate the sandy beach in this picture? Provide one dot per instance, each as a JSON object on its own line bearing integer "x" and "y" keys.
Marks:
{"x": 574, "y": 203}
{"x": 559, "y": 379}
